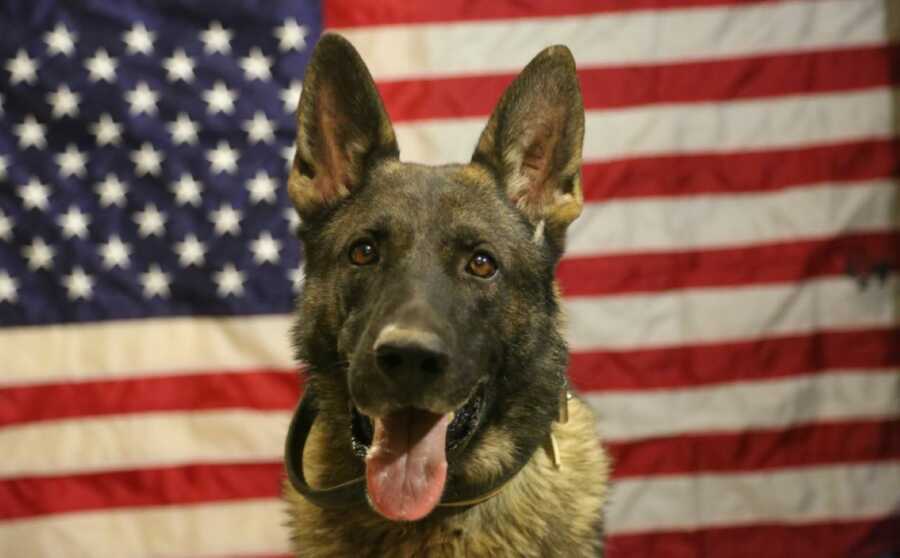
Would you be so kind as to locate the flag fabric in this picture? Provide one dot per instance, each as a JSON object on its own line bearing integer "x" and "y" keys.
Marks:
{"x": 731, "y": 287}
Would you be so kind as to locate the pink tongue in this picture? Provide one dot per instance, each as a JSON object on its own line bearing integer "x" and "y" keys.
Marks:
{"x": 406, "y": 467}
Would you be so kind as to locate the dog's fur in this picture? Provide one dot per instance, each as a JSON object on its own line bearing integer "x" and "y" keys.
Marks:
{"x": 513, "y": 201}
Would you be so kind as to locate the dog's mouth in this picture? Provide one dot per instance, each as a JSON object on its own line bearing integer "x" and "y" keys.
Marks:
{"x": 406, "y": 454}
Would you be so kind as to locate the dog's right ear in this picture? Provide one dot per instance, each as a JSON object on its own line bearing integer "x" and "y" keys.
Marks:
{"x": 341, "y": 128}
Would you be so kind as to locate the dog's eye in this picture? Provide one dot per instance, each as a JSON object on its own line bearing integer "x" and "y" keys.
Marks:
{"x": 482, "y": 265}
{"x": 363, "y": 253}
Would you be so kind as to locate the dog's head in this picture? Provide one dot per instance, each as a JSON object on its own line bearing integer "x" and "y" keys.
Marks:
{"x": 429, "y": 308}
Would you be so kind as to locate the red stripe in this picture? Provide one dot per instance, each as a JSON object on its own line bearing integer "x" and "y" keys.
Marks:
{"x": 761, "y": 171}
{"x": 828, "y": 539}
{"x": 616, "y": 87}
{"x": 759, "y": 450}
{"x": 386, "y": 12}
{"x": 190, "y": 484}
{"x": 266, "y": 390}
{"x": 773, "y": 357}
{"x": 853, "y": 255}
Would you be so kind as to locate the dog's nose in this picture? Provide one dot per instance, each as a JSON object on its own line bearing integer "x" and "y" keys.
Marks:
{"x": 405, "y": 353}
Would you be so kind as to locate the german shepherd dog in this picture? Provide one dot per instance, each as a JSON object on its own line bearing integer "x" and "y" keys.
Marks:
{"x": 437, "y": 419}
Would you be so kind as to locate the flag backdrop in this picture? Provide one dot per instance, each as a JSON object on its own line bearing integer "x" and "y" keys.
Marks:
{"x": 731, "y": 286}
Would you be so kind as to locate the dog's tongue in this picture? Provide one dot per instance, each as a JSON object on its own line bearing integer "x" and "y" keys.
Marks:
{"x": 406, "y": 467}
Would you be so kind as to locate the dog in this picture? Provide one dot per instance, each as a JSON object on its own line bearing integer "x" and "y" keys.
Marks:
{"x": 436, "y": 419}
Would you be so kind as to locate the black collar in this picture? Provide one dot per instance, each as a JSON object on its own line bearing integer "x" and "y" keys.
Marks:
{"x": 353, "y": 492}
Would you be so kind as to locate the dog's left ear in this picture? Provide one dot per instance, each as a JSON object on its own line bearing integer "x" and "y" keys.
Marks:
{"x": 533, "y": 141}
{"x": 342, "y": 128}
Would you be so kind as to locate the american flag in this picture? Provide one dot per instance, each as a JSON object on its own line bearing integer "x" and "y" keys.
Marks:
{"x": 731, "y": 286}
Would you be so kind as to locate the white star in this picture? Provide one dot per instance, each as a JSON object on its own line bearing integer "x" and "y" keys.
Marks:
{"x": 179, "y": 66}
{"x": 31, "y": 133}
{"x": 111, "y": 191}
{"x": 71, "y": 162}
{"x": 38, "y": 254}
{"x": 260, "y": 129}
{"x": 219, "y": 98}
{"x": 256, "y": 65}
{"x": 74, "y": 223}
{"x": 261, "y": 187}
{"x": 22, "y": 68}
{"x": 226, "y": 220}
{"x": 223, "y": 158}
{"x": 183, "y": 130}
{"x": 216, "y": 39}
{"x": 155, "y": 282}
{"x": 64, "y": 101}
{"x": 230, "y": 281}
{"x": 187, "y": 191}
{"x": 106, "y": 130}
{"x": 101, "y": 66}
{"x": 297, "y": 277}
{"x": 60, "y": 41}
{"x": 293, "y": 219}
{"x": 146, "y": 161}
{"x": 34, "y": 194}
{"x": 8, "y": 287}
{"x": 265, "y": 249}
{"x": 3, "y": 166}
{"x": 115, "y": 253}
{"x": 150, "y": 221}
{"x": 139, "y": 40}
{"x": 79, "y": 284}
{"x": 291, "y": 96}
{"x": 5, "y": 227}
{"x": 190, "y": 251}
{"x": 287, "y": 153}
{"x": 142, "y": 99}
{"x": 291, "y": 36}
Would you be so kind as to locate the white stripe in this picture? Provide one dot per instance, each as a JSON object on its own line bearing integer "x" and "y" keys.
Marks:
{"x": 768, "y": 123}
{"x": 710, "y": 315}
{"x": 131, "y": 348}
{"x": 142, "y": 440}
{"x": 246, "y": 528}
{"x": 793, "y": 497}
{"x": 762, "y": 404}
{"x": 638, "y": 37}
{"x": 725, "y": 221}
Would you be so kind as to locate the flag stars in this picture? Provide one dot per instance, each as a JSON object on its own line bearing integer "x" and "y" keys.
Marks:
{"x": 183, "y": 130}
{"x": 74, "y": 223}
{"x": 291, "y": 96}
{"x": 191, "y": 252}
{"x": 222, "y": 159}
{"x": 292, "y": 218}
{"x": 4, "y": 164}
{"x": 8, "y": 288}
{"x": 262, "y": 188}
{"x": 179, "y": 66}
{"x": 5, "y": 227}
{"x": 101, "y": 67}
{"x": 229, "y": 281}
{"x": 216, "y": 39}
{"x": 265, "y": 249}
{"x": 150, "y": 221}
{"x": 38, "y": 254}
{"x": 34, "y": 194}
{"x": 71, "y": 162}
{"x": 60, "y": 41}
{"x": 64, "y": 102}
{"x": 256, "y": 66}
{"x": 291, "y": 36}
{"x": 187, "y": 191}
{"x": 147, "y": 161}
{"x": 287, "y": 153}
{"x": 142, "y": 99}
{"x": 139, "y": 39}
{"x": 260, "y": 129}
{"x": 115, "y": 253}
{"x": 79, "y": 284}
{"x": 226, "y": 220}
{"x": 219, "y": 99}
{"x": 31, "y": 133}
{"x": 22, "y": 68}
{"x": 296, "y": 277}
{"x": 155, "y": 282}
{"x": 111, "y": 191}
{"x": 107, "y": 131}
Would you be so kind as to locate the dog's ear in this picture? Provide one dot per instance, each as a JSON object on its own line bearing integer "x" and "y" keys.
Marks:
{"x": 342, "y": 128}
{"x": 533, "y": 141}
